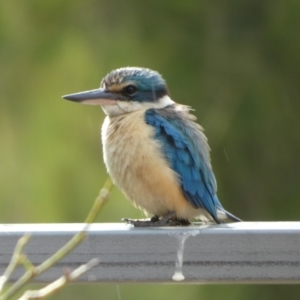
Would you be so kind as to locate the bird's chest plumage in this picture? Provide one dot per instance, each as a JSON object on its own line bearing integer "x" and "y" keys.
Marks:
{"x": 135, "y": 162}
{"x": 128, "y": 146}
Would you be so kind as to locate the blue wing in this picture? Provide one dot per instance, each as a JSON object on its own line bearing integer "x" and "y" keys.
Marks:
{"x": 186, "y": 149}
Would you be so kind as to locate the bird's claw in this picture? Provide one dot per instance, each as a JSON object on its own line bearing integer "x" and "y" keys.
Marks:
{"x": 140, "y": 223}
{"x": 155, "y": 221}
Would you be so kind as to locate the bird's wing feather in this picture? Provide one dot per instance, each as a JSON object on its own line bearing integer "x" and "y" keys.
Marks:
{"x": 185, "y": 147}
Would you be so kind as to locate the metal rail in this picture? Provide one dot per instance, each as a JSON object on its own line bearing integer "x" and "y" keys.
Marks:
{"x": 246, "y": 252}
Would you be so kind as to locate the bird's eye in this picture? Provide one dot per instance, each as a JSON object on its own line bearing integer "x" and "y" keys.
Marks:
{"x": 130, "y": 90}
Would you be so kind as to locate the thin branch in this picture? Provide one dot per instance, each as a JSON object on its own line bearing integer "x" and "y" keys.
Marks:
{"x": 15, "y": 259}
{"x": 75, "y": 240}
{"x": 27, "y": 264}
{"x": 60, "y": 282}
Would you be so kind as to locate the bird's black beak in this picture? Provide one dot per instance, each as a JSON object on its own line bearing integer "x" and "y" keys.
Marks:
{"x": 93, "y": 97}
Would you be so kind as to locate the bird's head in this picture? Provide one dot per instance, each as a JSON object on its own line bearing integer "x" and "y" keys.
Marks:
{"x": 126, "y": 90}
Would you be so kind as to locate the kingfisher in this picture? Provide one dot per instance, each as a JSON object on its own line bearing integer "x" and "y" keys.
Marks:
{"x": 154, "y": 150}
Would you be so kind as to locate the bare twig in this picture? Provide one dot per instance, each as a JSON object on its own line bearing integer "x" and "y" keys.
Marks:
{"x": 60, "y": 282}
{"x": 75, "y": 240}
{"x": 15, "y": 259}
{"x": 27, "y": 264}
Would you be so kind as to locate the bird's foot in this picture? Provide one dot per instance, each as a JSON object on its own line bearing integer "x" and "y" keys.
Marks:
{"x": 155, "y": 221}
{"x": 140, "y": 222}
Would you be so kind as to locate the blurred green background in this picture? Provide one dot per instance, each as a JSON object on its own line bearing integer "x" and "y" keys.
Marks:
{"x": 236, "y": 62}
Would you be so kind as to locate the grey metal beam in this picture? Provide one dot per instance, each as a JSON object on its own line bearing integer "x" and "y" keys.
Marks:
{"x": 246, "y": 252}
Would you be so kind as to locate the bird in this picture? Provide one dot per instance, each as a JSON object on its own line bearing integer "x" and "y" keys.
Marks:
{"x": 154, "y": 150}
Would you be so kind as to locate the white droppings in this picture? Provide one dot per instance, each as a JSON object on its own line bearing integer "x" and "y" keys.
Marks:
{"x": 178, "y": 276}
{"x": 182, "y": 237}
